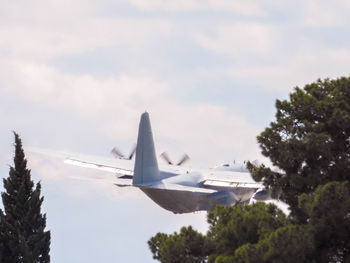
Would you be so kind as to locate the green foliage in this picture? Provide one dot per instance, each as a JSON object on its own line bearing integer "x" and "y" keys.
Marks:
{"x": 286, "y": 243}
{"x": 232, "y": 227}
{"x": 309, "y": 141}
{"x": 282, "y": 245}
{"x": 187, "y": 246}
{"x": 248, "y": 253}
{"x": 328, "y": 209}
{"x": 22, "y": 223}
{"x": 3, "y": 239}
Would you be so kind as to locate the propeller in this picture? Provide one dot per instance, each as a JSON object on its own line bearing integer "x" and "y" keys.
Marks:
{"x": 184, "y": 159}
{"x": 118, "y": 154}
{"x": 132, "y": 152}
{"x": 167, "y": 159}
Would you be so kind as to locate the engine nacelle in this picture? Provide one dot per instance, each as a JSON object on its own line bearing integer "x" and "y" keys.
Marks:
{"x": 261, "y": 195}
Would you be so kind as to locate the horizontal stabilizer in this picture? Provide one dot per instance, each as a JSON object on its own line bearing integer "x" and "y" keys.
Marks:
{"x": 123, "y": 182}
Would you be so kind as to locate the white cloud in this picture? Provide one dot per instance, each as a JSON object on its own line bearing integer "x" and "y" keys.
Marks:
{"x": 40, "y": 42}
{"x": 325, "y": 13}
{"x": 246, "y": 8}
{"x": 304, "y": 67}
{"x": 84, "y": 93}
{"x": 239, "y": 39}
{"x": 165, "y": 5}
{"x": 48, "y": 10}
{"x": 117, "y": 102}
{"x": 272, "y": 57}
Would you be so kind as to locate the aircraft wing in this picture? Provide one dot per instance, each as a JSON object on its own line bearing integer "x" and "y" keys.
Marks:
{"x": 108, "y": 164}
{"x": 232, "y": 184}
{"x": 114, "y": 168}
{"x": 179, "y": 187}
{"x": 230, "y": 180}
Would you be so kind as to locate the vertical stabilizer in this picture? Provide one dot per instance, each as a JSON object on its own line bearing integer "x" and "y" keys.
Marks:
{"x": 146, "y": 166}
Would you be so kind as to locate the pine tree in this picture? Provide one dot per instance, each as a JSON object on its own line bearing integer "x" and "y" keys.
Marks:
{"x": 23, "y": 235}
{"x": 308, "y": 142}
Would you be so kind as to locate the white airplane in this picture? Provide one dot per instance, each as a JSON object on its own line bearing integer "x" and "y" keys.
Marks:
{"x": 176, "y": 188}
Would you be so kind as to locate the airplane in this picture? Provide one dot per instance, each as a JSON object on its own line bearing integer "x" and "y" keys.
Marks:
{"x": 174, "y": 187}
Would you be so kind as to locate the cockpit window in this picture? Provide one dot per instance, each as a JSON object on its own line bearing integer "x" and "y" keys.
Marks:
{"x": 226, "y": 165}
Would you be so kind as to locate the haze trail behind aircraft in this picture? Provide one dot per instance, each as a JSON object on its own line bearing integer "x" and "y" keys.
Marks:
{"x": 176, "y": 188}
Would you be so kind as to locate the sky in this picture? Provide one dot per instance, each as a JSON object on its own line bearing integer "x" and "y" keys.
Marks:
{"x": 76, "y": 76}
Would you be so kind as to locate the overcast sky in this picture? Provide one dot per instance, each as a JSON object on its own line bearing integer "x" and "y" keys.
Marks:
{"x": 76, "y": 76}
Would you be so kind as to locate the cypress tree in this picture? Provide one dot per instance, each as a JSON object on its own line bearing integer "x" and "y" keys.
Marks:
{"x": 2, "y": 236}
{"x": 23, "y": 235}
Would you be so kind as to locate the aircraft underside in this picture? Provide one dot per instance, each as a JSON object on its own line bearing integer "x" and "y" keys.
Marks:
{"x": 180, "y": 202}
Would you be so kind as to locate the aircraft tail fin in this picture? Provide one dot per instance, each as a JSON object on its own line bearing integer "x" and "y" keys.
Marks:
{"x": 146, "y": 166}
